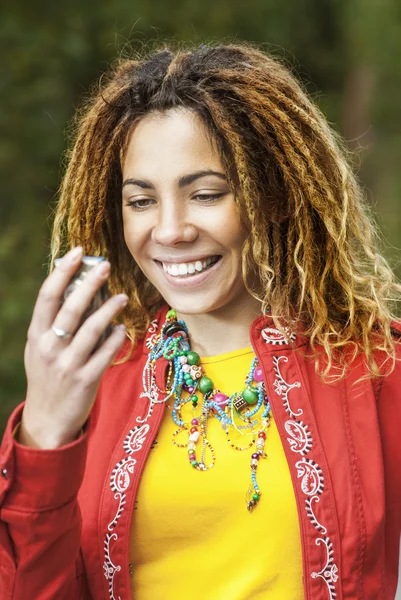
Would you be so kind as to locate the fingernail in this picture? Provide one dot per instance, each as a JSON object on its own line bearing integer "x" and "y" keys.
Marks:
{"x": 75, "y": 254}
{"x": 121, "y": 327}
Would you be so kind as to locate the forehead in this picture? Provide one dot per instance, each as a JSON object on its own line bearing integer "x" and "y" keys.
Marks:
{"x": 168, "y": 144}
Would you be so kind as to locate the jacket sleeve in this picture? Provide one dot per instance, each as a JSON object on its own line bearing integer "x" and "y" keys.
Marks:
{"x": 40, "y": 521}
{"x": 389, "y": 405}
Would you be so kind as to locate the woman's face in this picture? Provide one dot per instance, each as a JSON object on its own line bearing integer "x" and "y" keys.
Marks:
{"x": 181, "y": 223}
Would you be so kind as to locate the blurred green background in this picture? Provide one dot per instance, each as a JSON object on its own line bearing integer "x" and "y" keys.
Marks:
{"x": 347, "y": 52}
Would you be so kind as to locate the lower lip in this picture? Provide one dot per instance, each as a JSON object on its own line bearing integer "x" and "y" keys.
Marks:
{"x": 192, "y": 280}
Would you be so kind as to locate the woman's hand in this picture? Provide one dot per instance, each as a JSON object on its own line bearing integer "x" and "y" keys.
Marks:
{"x": 63, "y": 376}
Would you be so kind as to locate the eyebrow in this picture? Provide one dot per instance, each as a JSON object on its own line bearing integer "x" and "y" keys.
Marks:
{"x": 182, "y": 182}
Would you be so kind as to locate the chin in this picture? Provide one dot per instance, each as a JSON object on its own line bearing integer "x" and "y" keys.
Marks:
{"x": 193, "y": 305}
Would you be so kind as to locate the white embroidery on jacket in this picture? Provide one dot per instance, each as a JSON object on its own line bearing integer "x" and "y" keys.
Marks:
{"x": 311, "y": 514}
{"x": 150, "y": 409}
{"x": 120, "y": 477}
{"x": 308, "y": 471}
{"x": 151, "y": 390}
{"x": 330, "y": 570}
{"x": 301, "y": 439}
{"x": 312, "y": 477}
{"x": 151, "y": 335}
{"x": 120, "y": 481}
{"x": 121, "y": 502}
{"x": 135, "y": 439}
{"x": 274, "y": 336}
{"x": 282, "y": 388}
{"x": 110, "y": 569}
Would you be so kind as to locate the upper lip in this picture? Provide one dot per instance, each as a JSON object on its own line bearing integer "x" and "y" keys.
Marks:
{"x": 167, "y": 259}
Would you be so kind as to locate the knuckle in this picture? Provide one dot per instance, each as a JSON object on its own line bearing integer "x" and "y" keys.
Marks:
{"x": 86, "y": 379}
{"x": 64, "y": 368}
{"x": 64, "y": 372}
{"x": 95, "y": 327}
{"x": 46, "y": 295}
{"x": 31, "y": 334}
{"x": 71, "y": 311}
{"x": 45, "y": 354}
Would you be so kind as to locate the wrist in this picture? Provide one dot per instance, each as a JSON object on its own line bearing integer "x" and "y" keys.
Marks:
{"x": 44, "y": 438}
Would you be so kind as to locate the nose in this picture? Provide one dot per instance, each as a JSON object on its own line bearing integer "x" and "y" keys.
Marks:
{"x": 173, "y": 225}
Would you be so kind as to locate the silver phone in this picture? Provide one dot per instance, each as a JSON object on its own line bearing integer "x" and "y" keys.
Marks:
{"x": 88, "y": 262}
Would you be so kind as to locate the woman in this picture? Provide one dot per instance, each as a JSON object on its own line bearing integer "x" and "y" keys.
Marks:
{"x": 251, "y": 416}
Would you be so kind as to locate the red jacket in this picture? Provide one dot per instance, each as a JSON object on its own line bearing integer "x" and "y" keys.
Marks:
{"x": 65, "y": 514}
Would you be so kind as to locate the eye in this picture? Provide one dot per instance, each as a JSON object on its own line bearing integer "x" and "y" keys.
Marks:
{"x": 206, "y": 198}
{"x": 140, "y": 204}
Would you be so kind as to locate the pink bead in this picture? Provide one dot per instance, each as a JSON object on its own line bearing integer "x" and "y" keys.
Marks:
{"x": 220, "y": 399}
{"x": 192, "y": 457}
{"x": 190, "y": 389}
{"x": 258, "y": 374}
{"x": 195, "y": 422}
{"x": 185, "y": 368}
{"x": 183, "y": 360}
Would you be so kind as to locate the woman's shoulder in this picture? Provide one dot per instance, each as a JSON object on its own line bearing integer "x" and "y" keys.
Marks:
{"x": 396, "y": 329}
{"x": 388, "y": 386}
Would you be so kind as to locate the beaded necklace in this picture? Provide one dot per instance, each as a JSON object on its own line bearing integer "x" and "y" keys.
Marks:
{"x": 185, "y": 374}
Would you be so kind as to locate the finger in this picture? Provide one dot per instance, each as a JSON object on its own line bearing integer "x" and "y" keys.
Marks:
{"x": 48, "y": 302}
{"x": 71, "y": 313}
{"x": 87, "y": 336}
{"x": 104, "y": 356}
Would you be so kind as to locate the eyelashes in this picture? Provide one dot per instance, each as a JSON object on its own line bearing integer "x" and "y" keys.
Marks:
{"x": 144, "y": 203}
{"x": 209, "y": 197}
{"x": 139, "y": 204}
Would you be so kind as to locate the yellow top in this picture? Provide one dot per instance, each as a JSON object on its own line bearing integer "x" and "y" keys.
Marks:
{"x": 192, "y": 535}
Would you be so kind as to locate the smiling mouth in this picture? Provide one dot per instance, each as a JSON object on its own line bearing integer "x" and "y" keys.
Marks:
{"x": 189, "y": 269}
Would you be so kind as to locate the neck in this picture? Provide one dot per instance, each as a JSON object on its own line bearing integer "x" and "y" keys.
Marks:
{"x": 223, "y": 330}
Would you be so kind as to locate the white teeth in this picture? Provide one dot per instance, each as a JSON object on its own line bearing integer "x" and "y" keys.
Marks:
{"x": 180, "y": 269}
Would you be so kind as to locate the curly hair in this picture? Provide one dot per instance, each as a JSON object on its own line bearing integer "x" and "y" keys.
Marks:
{"x": 311, "y": 246}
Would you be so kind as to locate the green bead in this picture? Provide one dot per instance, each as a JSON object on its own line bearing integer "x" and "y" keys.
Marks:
{"x": 255, "y": 497}
{"x": 194, "y": 398}
{"x": 171, "y": 314}
{"x": 205, "y": 385}
{"x": 193, "y": 358}
{"x": 249, "y": 395}
{"x": 194, "y": 463}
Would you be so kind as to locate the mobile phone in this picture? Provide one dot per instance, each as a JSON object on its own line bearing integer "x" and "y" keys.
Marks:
{"x": 88, "y": 262}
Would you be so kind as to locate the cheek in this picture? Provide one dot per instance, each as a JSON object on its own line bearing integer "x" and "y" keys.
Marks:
{"x": 132, "y": 236}
{"x": 232, "y": 232}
